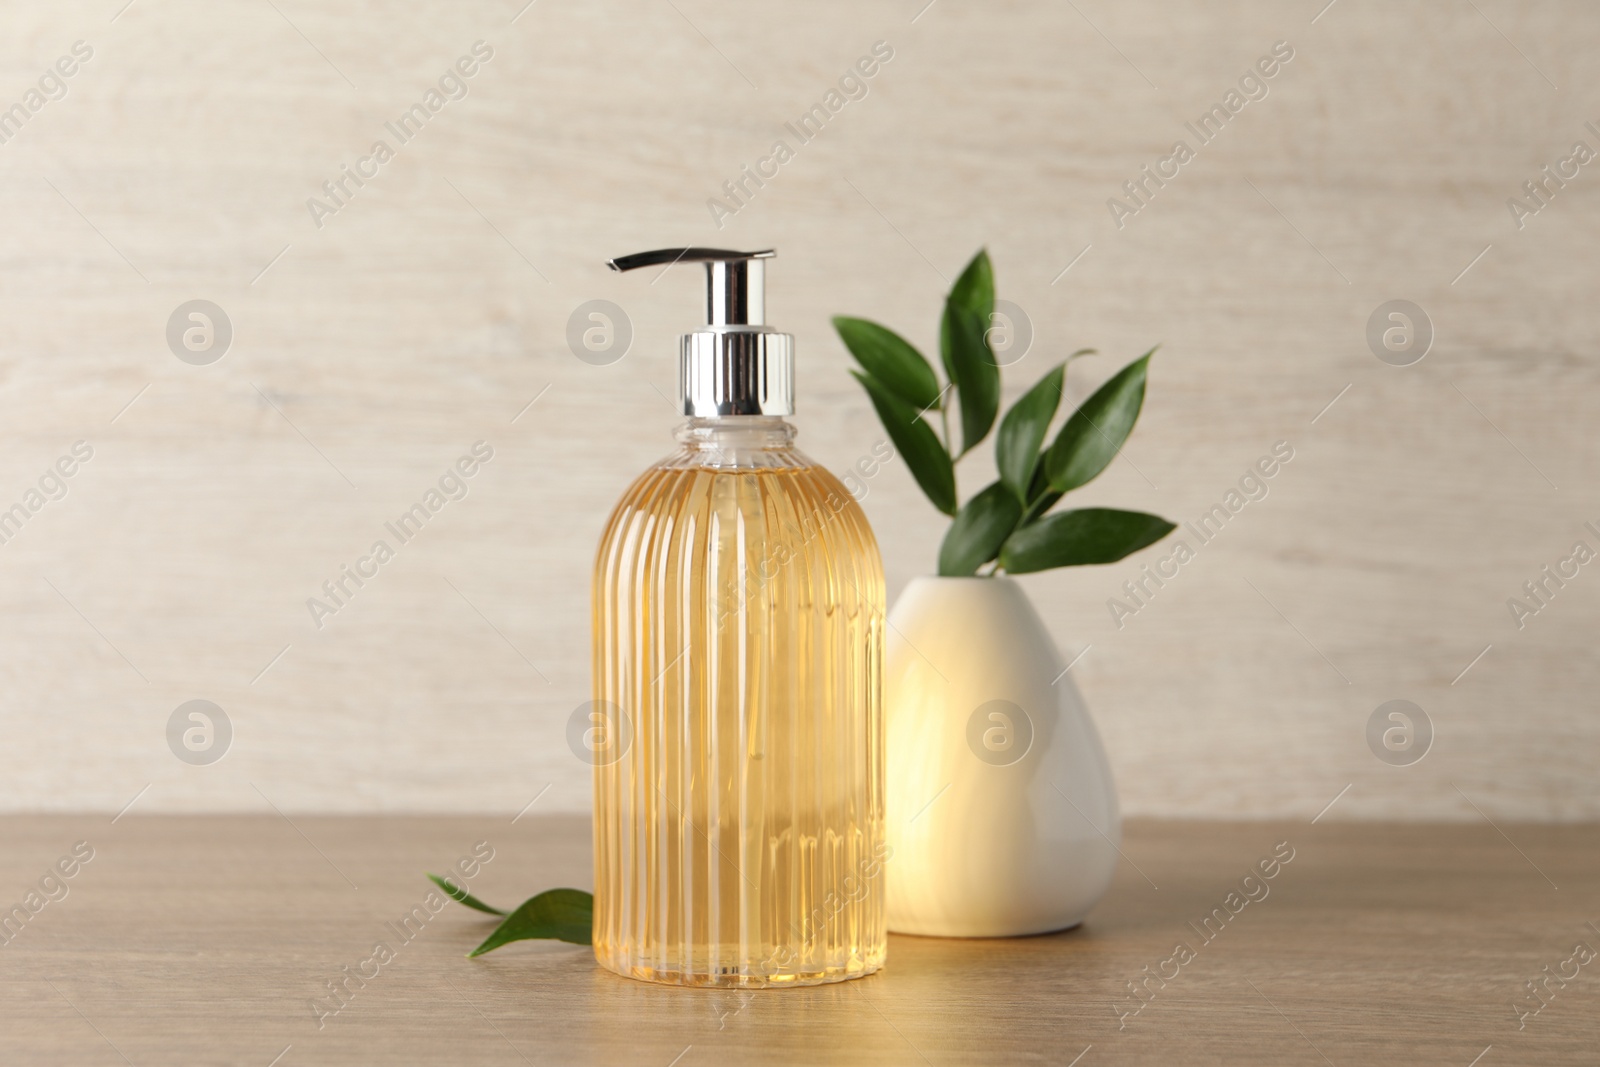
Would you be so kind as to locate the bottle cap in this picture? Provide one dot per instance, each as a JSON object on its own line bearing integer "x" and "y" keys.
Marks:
{"x": 736, "y": 364}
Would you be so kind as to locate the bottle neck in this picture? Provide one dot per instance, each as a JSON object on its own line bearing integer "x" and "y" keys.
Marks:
{"x": 750, "y": 441}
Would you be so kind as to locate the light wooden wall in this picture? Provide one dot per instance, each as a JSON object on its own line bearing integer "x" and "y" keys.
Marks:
{"x": 429, "y": 311}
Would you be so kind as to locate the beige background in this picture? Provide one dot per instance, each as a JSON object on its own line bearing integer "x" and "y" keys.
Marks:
{"x": 429, "y": 311}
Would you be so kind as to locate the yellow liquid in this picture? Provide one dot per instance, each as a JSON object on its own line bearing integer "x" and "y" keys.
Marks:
{"x": 738, "y": 640}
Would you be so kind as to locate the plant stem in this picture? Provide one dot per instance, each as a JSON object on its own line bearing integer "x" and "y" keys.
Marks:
{"x": 944, "y": 417}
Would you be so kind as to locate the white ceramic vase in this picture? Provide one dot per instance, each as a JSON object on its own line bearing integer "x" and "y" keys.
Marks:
{"x": 1001, "y": 810}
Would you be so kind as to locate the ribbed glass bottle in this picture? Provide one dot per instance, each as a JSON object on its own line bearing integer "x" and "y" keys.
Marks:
{"x": 738, "y": 649}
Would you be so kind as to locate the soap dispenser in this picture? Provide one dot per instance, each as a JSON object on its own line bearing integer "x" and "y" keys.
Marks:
{"x": 738, "y": 654}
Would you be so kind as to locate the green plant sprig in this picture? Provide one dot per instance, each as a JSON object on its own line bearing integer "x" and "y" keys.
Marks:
{"x": 1006, "y": 523}
{"x": 554, "y": 915}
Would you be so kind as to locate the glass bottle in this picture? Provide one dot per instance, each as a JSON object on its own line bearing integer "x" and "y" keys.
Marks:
{"x": 738, "y": 648}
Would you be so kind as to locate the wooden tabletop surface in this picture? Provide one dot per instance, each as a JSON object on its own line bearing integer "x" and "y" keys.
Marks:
{"x": 203, "y": 940}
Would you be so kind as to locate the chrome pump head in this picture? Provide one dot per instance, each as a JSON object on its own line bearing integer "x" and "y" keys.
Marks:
{"x": 736, "y": 364}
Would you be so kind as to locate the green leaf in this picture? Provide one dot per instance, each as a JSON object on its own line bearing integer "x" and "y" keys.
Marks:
{"x": 1094, "y": 433}
{"x": 891, "y": 359}
{"x": 1042, "y": 500}
{"x": 461, "y": 896}
{"x": 1087, "y": 535}
{"x": 963, "y": 344}
{"x": 916, "y": 442}
{"x": 965, "y": 334}
{"x": 981, "y": 527}
{"x": 554, "y": 915}
{"x": 1016, "y": 446}
{"x": 974, "y": 290}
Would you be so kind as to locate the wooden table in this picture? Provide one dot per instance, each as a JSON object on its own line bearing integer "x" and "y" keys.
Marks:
{"x": 204, "y": 939}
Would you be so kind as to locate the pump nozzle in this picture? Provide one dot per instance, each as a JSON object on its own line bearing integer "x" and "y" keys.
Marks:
{"x": 735, "y": 281}
{"x": 736, "y": 364}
